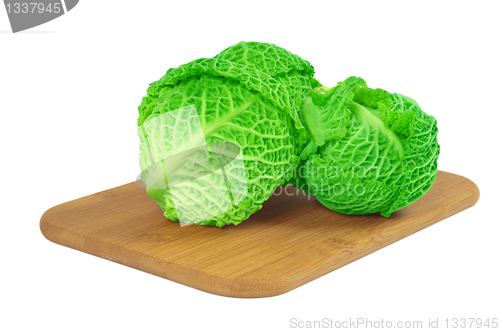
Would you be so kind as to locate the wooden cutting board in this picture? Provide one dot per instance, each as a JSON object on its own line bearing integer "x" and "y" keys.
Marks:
{"x": 289, "y": 242}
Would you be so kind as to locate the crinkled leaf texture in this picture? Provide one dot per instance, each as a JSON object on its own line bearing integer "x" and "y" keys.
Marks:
{"x": 250, "y": 94}
{"x": 369, "y": 150}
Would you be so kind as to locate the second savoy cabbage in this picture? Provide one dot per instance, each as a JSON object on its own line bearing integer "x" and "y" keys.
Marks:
{"x": 266, "y": 101}
{"x": 369, "y": 150}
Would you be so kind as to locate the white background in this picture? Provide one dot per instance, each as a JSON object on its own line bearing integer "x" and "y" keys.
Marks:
{"x": 69, "y": 92}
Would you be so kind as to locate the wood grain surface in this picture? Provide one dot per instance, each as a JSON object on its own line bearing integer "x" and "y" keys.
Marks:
{"x": 292, "y": 240}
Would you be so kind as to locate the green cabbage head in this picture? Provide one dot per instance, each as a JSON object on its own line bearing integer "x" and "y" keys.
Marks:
{"x": 369, "y": 150}
{"x": 249, "y": 96}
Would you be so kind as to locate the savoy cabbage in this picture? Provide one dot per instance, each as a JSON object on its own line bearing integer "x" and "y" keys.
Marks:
{"x": 250, "y": 95}
{"x": 369, "y": 150}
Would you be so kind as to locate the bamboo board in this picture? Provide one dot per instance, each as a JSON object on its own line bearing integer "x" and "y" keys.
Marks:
{"x": 289, "y": 242}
